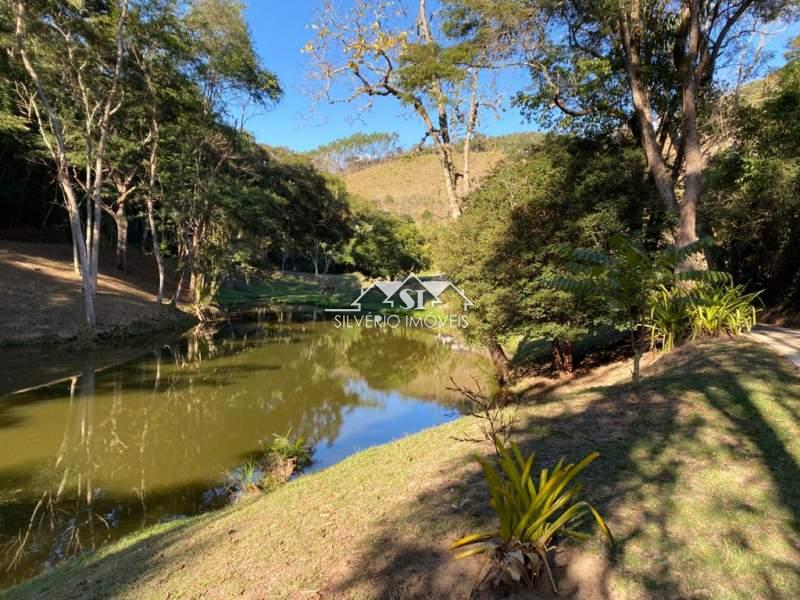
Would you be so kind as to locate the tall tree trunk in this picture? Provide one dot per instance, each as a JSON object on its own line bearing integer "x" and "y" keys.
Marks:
{"x": 59, "y": 154}
{"x": 152, "y": 175}
{"x": 472, "y": 119}
{"x": 151, "y": 219}
{"x": 89, "y": 226}
{"x": 121, "y": 221}
{"x": 687, "y": 223}
{"x": 104, "y": 127}
{"x": 502, "y": 366}
{"x": 450, "y": 184}
{"x": 75, "y": 226}
{"x": 76, "y": 264}
{"x": 441, "y": 133}
{"x": 181, "y": 282}
{"x": 656, "y": 165}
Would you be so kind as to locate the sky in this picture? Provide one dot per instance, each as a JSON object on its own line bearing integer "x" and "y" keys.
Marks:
{"x": 282, "y": 27}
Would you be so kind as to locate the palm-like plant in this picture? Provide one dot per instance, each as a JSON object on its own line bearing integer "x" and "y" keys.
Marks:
{"x": 626, "y": 277}
{"x": 533, "y": 512}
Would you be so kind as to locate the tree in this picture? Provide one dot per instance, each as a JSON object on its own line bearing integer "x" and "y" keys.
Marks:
{"x": 59, "y": 33}
{"x": 385, "y": 245}
{"x": 625, "y": 279}
{"x": 752, "y": 205}
{"x": 359, "y": 149}
{"x": 648, "y": 64}
{"x": 160, "y": 52}
{"x": 375, "y": 51}
{"x": 565, "y": 190}
{"x": 226, "y": 75}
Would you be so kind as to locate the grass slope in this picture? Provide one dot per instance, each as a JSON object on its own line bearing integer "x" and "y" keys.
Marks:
{"x": 290, "y": 288}
{"x": 41, "y": 297}
{"x": 294, "y": 289}
{"x": 413, "y": 185}
{"x": 699, "y": 478}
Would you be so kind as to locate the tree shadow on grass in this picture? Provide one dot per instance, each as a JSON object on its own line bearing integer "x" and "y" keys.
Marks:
{"x": 698, "y": 479}
{"x": 676, "y": 481}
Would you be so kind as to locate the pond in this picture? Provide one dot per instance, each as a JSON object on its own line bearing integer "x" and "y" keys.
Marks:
{"x": 106, "y": 451}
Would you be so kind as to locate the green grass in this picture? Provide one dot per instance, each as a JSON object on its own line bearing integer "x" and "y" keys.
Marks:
{"x": 288, "y": 288}
{"x": 698, "y": 479}
{"x": 313, "y": 291}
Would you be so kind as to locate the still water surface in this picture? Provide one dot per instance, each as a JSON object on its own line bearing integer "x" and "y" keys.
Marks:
{"x": 105, "y": 452}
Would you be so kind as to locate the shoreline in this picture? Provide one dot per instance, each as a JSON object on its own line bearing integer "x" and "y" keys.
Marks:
{"x": 170, "y": 319}
{"x": 383, "y": 519}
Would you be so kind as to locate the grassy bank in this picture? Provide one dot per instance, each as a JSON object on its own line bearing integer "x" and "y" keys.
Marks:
{"x": 292, "y": 289}
{"x": 699, "y": 479}
{"x": 299, "y": 289}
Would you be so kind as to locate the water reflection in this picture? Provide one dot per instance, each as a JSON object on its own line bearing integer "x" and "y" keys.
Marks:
{"x": 106, "y": 452}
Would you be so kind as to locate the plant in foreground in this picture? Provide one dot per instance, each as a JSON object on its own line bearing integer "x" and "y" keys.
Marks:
{"x": 535, "y": 513}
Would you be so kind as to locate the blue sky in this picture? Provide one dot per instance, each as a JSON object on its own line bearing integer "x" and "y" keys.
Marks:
{"x": 281, "y": 29}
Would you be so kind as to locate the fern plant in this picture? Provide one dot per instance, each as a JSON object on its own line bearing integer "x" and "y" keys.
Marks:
{"x": 625, "y": 279}
{"x": 534, "y": 512}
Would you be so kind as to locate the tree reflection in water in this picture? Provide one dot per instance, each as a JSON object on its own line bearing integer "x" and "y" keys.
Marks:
{"x": 105, "y": 453}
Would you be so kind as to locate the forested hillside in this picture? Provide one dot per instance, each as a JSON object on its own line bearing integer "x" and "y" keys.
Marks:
{"x": 121, "y": 124}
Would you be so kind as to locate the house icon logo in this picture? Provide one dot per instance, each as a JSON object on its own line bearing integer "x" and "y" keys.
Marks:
{"x": 412, "y": 293}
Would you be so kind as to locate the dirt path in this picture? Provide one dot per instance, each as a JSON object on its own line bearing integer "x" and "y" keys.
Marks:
{"x": 785, "y": 342}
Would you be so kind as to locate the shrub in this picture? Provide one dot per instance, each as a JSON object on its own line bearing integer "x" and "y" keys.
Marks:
{"x": 669, "y": 318}
{"x": 534, "y": 513}
{"x": 704, "y": 310}
{"x": 717, "y": 309}
{"x": 245, "y": 479}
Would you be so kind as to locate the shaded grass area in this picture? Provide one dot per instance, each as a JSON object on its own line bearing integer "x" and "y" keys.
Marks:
{"x": 537, "y": 350}
{"x": 699, "y": 478}
{"x": 289, "y": 288}
{"x": 315, "y": 291}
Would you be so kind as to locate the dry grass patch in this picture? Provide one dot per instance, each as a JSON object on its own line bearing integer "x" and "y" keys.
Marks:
{"x": 412, "y": 185}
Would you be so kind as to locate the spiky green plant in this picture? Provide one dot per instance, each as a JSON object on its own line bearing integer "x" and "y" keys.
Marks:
{"x": 669, "y": 321}
{"x": 702, "y": 310}
{"x": 721, "y": 309}
{"x": 533, "y": 512}
{"x": 244, "y": 479}
{"x": 286, "y": 448}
